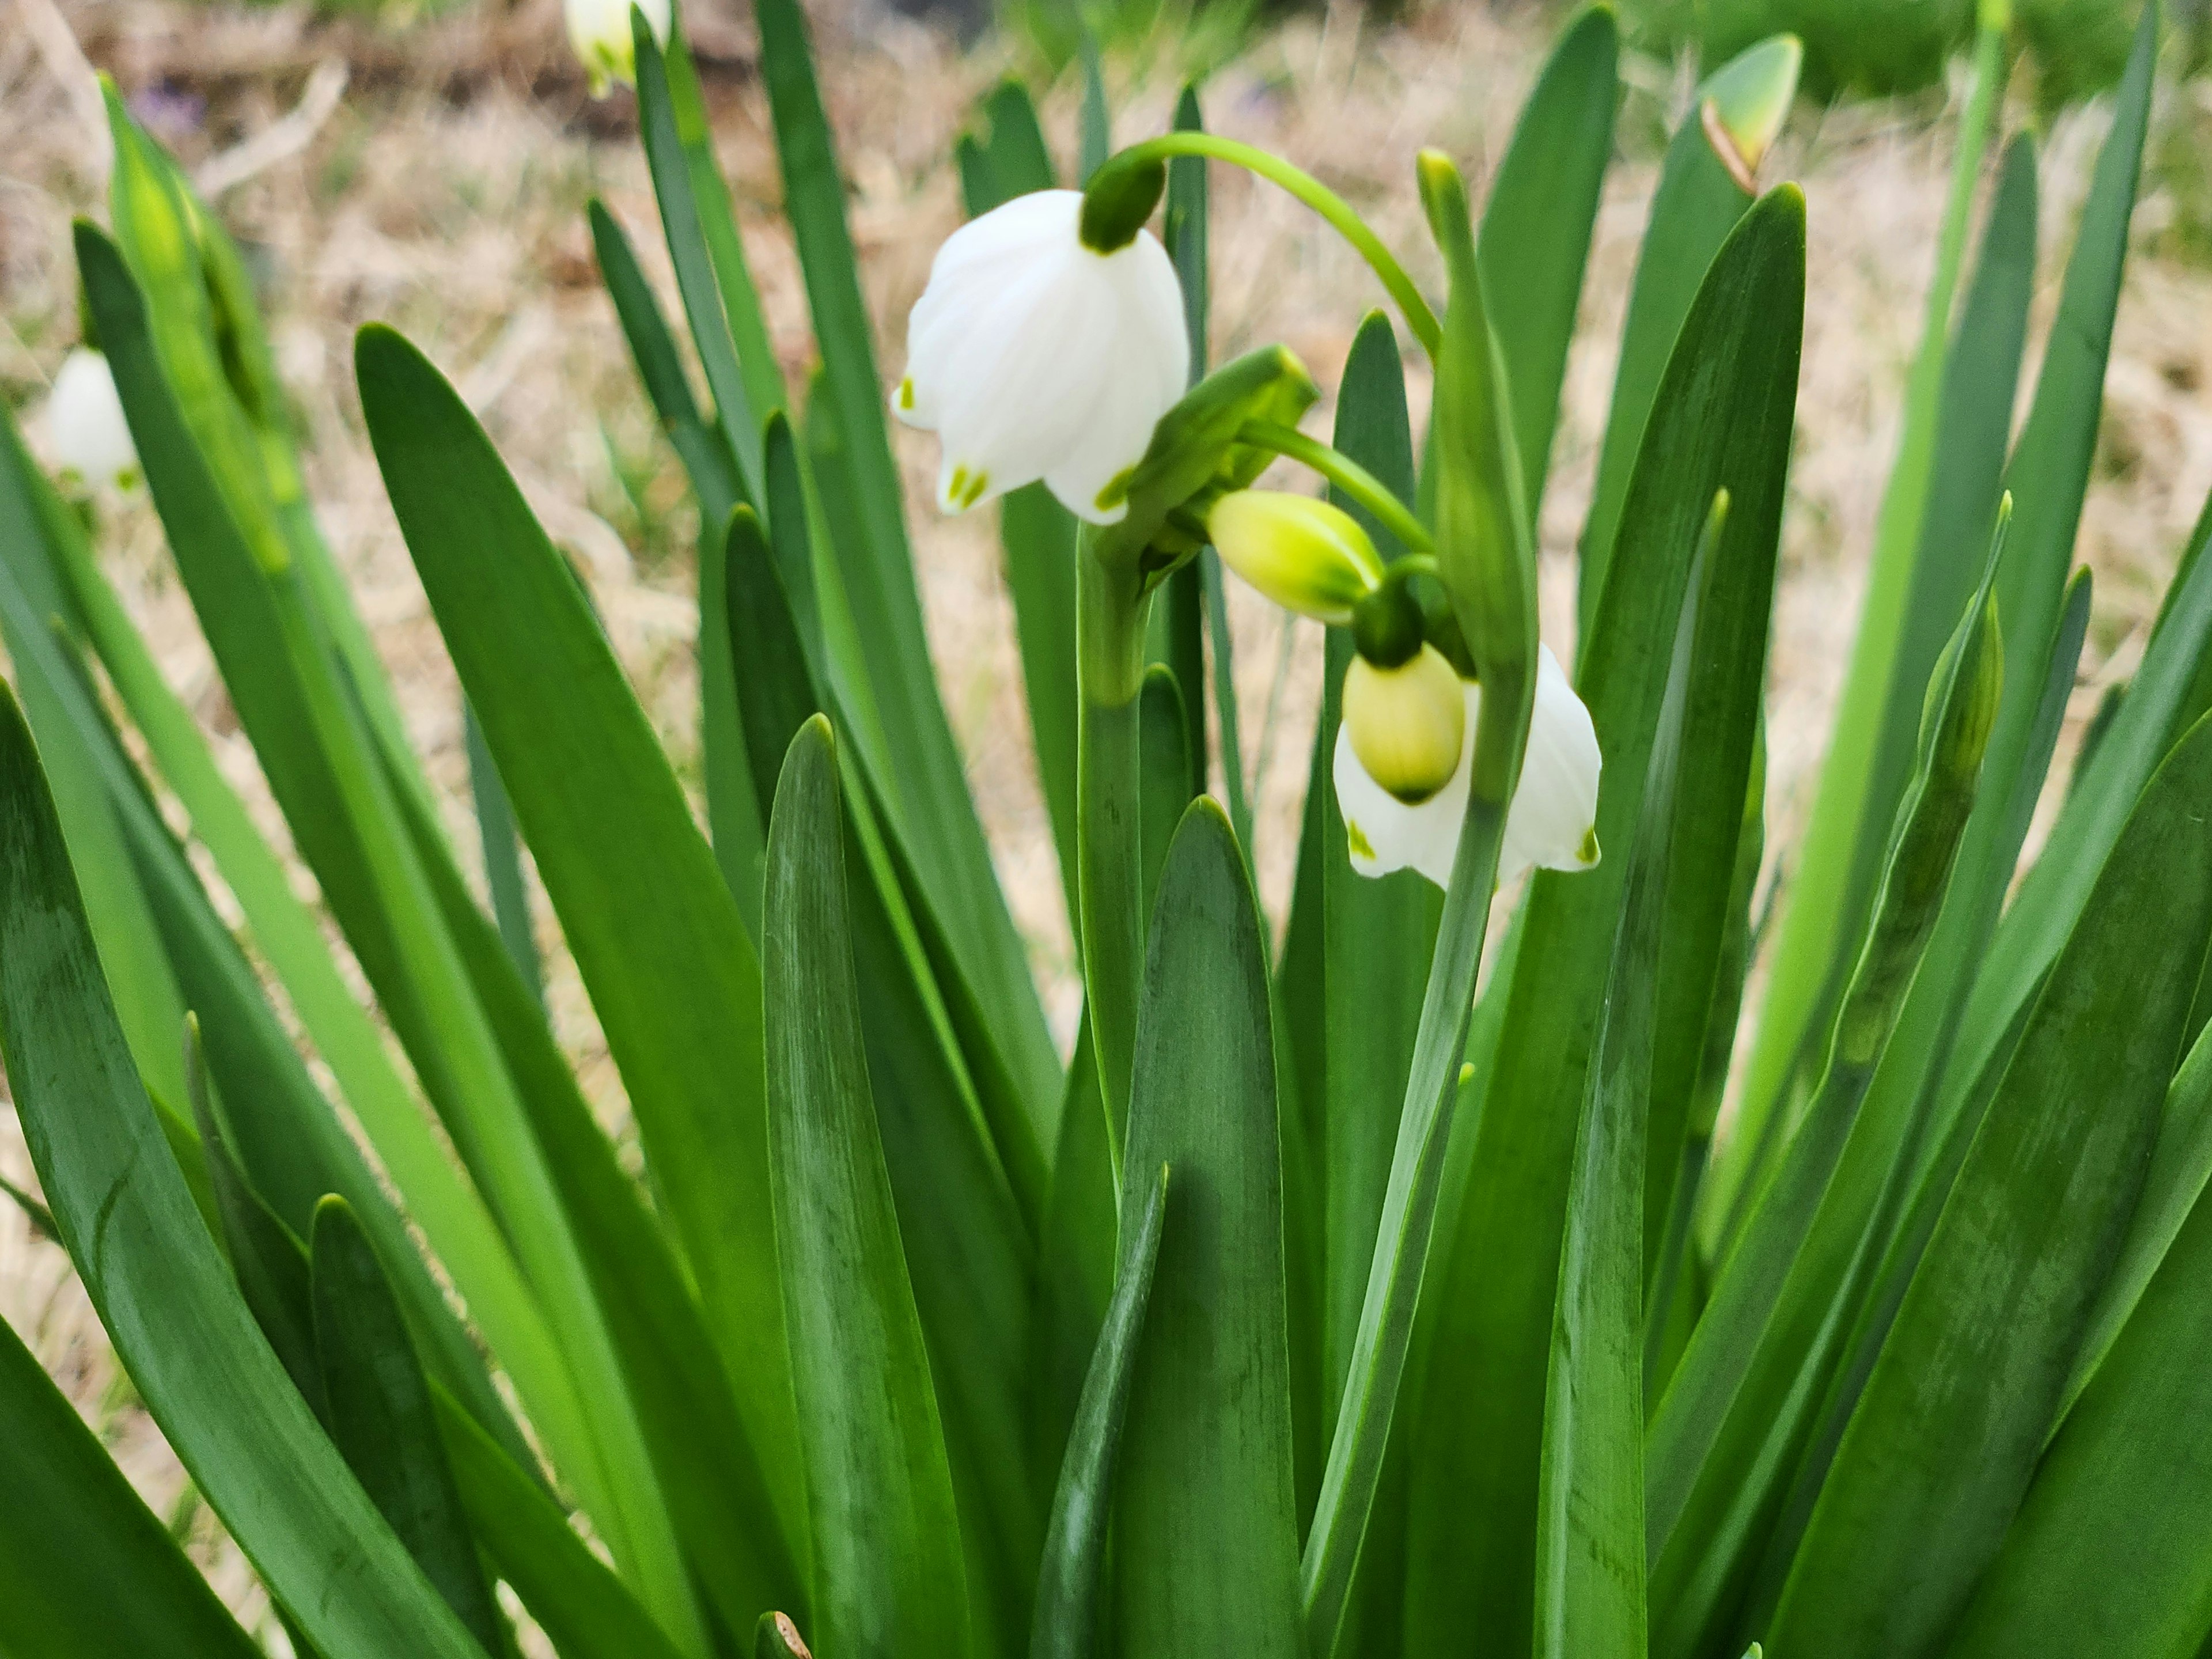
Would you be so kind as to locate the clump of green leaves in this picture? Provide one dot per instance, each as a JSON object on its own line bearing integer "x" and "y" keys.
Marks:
{"x": 1315, "y": 1305}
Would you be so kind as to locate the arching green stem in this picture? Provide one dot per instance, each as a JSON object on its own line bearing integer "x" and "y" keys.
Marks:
{"x": 1307, "y": 189}
{"x": 1347, "y": 474}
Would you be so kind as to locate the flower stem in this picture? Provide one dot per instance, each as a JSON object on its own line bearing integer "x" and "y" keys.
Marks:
{"x": 1315, "y": 195}
{"x": 1347, "y": 474}
{"x": 1109, "y": 629}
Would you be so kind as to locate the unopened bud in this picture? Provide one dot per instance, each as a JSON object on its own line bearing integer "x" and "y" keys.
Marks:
{"x": 1301, "y": 552}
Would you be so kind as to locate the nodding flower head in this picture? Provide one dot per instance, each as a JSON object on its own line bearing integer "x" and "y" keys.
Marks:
{"x": 1390, "y": 746}
{"x": 1034, "y": 356}
{"x": 600, "y": 32}
{"x": 1303, "y": 554}
{"x": 91, "y": 440}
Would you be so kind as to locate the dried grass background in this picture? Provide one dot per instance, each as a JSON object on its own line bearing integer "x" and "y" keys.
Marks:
{"x": 445, "y": 190}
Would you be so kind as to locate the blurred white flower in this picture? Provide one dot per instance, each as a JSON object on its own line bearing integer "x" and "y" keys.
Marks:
{"x": 1032, "y": 356}
{"x": 1551, "y": 823}
{"x": 91, "y": 440}
{"x": 600, "y": 32}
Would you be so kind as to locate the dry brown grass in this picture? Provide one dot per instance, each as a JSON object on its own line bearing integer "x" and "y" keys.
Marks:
{"x": 446, "y": 194}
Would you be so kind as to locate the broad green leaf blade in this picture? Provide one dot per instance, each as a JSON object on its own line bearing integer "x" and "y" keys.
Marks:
{"x": 220, "y": 1397}
{"x": 1206, "y": 1555}
{"x": 1589, "y": 1492}
{"x": 1921, "y": 576}
{"x": 1698, "y": 202}
{"x": 1721, "y": 420}
{"x": 647, "y": 915}
{"x": 919, "y": 768}
{"x": 687, "y": 1425}
{"x": 586, "y": 1611}
{"x": 2106, "y": 1554}
{"x": 1067, "y": 1624}
{"x": 1075, "y": 1257}
{"x": 86, "y": 1569}
{"x": 377, "y": 1405}
{"x": 889, "y": 1576}
{"x": 1738, "y": 1410}
{"x": 969, "y": 1255}
{"x": 1379, "y": 934}
{"x": 1536, "y": 229}
{"x": 1943, "y": 1443}
{"x": 1164, "y": 785}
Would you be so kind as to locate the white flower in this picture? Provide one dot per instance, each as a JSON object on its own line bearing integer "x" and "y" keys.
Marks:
{"x": 91, "y": 440}
{"x": 600, "y": 32}
{"x": 1553, "y": 820}
{"x": 1032, "y": 356}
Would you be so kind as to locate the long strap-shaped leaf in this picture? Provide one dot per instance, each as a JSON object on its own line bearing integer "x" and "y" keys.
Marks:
{"x": 1721, "y": 420}
{"x": 1075, "y": 1561}
{"x": 155, "y": 1278}
{"x": 1946, "y": 1437}
{"x": 1589, "y": 1501}
{"x": 1205, "y": 1553}
{"x": 646, "y": 912}
{"x": 85, "y": 1570}
{"x": 889, "y": 1576}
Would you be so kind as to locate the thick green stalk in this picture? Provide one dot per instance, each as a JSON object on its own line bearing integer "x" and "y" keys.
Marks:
{"x": 1814, "y": 913}
{"x": 1346, "y": 475}
{"x": 1110, "y": 614}
{"x": 1307, "y": 189}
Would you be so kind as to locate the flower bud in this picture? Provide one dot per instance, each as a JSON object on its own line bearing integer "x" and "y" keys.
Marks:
{"x": 1406, "y": 724}
{"x": 91, "y": 440}
{"x": 1303, "y": 554}
{"x": 600, "y": 32}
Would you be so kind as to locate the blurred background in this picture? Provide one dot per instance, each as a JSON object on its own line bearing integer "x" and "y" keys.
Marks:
{"x": 427, "y": 162}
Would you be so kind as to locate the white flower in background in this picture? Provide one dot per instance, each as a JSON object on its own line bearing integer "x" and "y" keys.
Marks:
{"x": 1553, "y": 820}
{"x": 600, "y": 32}
{"x": 1303, "y": 554}
{"x": 1032, "y": 356}
{"x": 91, "y": 440}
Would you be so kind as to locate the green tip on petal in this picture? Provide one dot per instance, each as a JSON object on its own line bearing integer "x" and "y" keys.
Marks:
{"x": 1588, "y": 853}
{"x": 1356, "y": 838}
{"x": 1747, "y": 100}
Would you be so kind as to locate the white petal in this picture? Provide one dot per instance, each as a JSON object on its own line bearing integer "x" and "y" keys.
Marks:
{"x": 1387, "y": 834}
{"x": 1033, "y": 357}
{"x": 85, "y": 422}
{"x": 1554, "y": 810}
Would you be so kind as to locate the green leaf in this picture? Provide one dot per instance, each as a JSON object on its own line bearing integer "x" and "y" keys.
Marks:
{"x": 1096, "y": 130}
{"x": 967, "y": 1251}
{"x": 919, "y": 770}
{"x": 580, "y": 1605}
{"x": 1589, "y": 1494}
{"x": 1206, "y": 1556}
{"x": 1923, "y": 574}
{"x": 776, "y": 1638}
{"x": 889, "y": 1576}
{"x": 86, "y": 1569}
{"x": 2105, "y": 1554}
{"x": 652, "y": 928}
{"x": 1067, "y": 1625}
{"x": 1697, "y": 205}
{"x": 1739, "y": 1408}
{"x": 502, "y": 857}
{"x": 1536, "y": 229}
{"x": 212, "y": 1384}
{"x": 1164, "y": 788}
{"x": 377, "y": 1405}
{"x": 1722, "y": 419}
{"x": 1941, "y": 1449}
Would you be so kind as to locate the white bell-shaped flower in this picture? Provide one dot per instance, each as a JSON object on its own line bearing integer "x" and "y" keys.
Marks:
{"x": 1553, "y": 822}
{"x": 1033, "y": 356}
{"x": 90, "y": 439}
{"x": 599, "y": 30}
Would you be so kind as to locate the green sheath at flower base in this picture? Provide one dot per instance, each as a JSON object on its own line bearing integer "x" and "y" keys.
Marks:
{"x": 1303, "y": 554}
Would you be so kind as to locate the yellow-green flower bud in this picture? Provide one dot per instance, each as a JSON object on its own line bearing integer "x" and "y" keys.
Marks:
{"x": 1303, "y": 554}
{"x": 1407, "y": 725}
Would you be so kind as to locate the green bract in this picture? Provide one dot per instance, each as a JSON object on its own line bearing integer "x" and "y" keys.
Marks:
{"x": 1313, "y": 1305}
